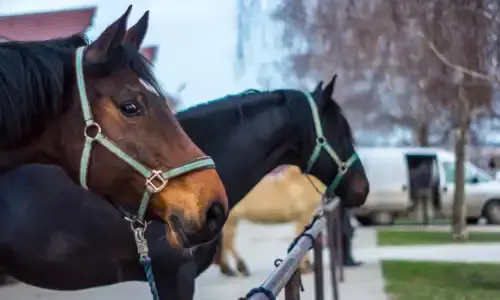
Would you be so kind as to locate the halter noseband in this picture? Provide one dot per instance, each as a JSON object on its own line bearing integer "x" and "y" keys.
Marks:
{"x": 322, "y": 143}
{"x": 151, "y": 176}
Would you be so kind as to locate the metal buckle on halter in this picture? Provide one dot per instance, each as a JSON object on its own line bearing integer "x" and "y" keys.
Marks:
{"x": 343, "y": 167}
{"x": 91, "y": 126}
{"x": 150, "y": 182}
{"x": 320, "y": 140}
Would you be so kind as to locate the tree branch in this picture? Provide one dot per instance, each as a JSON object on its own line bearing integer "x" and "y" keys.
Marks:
{"x": 404, "y": 121}
{"x": 457, "y": 67}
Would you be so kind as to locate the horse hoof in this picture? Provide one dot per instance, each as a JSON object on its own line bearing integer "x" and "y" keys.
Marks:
{"x": 242, "y": 268}
{"x": 226, "y": 270}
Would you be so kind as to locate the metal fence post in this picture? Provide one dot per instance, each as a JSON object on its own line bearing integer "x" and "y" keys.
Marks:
{"x": 319, "y": 288}
{"x": 332, "y": 239}
{"x": 340, "y": 251}
{"x": 292, "y": 287}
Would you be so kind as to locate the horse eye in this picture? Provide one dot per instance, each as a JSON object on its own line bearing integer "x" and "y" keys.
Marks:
{"x": 130, "y": 109}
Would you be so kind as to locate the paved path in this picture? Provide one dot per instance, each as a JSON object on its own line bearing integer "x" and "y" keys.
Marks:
{"x": 471, "y": 228}
{"x": 259, "y": 245}
{"x": 460, "y": 253}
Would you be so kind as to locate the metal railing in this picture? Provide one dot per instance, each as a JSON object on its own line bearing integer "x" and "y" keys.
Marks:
{"x": 287, "y": 272}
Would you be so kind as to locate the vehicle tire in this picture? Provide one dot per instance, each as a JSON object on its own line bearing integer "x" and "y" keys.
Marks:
{"x": 492, "y": 212}
{"x": 382, "y": 218}
{"x": 364, "y": 220}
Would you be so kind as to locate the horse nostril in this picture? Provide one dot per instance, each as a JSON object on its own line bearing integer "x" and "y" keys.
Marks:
{"x": 215, "y": 218}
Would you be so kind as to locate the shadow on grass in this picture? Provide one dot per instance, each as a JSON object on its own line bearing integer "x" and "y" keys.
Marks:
{"x": 477, "y": 281}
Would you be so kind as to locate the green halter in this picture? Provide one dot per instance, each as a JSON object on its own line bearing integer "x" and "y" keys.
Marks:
{"x": 152, "y": 176}
{"x": 322, "y": 143}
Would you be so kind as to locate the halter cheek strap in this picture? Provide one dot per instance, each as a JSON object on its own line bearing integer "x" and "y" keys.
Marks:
{"x": 156, "y": 180}
{"x": 322, "y": 144}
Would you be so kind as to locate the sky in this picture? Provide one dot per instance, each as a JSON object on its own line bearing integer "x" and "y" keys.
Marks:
{"x": 196, "y": 40}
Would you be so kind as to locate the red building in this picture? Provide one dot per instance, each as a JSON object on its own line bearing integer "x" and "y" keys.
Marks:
{"x": 57, "y": 24}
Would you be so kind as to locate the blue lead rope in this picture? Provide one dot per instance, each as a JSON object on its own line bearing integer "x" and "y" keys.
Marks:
{"x": 148, "y": 270}
{"x": 142, "y": 248}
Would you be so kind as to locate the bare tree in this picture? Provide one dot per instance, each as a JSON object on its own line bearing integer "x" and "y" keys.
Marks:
{"x": 370, "y": 42}
{"x": 469, "y": 53}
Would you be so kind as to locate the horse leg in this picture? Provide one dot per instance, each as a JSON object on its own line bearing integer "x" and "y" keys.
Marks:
{"x": 226, "y": 244}
{"x": 302, "y": 221}
{"x": 241, "y": 266}
{"x": 229, "y": 238}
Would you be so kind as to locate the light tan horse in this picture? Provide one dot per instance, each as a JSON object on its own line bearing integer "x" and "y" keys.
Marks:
{"x": 285, "y": 197}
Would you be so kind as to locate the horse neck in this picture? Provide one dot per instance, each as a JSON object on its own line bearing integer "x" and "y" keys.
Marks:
{"x": 265, "y": 135}
{"x": 36, "y": 150}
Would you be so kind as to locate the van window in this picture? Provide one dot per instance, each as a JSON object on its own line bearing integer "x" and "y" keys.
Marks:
{"x": 449, "y": 172}
{"x": 471, "y": 171}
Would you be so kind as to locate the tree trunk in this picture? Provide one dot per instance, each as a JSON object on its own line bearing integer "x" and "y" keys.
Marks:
{"x": 422, "y": 135}
{"x": 459, "y": 225}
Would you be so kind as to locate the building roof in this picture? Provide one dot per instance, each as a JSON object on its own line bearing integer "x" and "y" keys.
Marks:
{"x": 46, "y": 25}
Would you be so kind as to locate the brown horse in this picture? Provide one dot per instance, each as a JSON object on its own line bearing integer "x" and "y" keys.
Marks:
{"x": 96, "y": 110}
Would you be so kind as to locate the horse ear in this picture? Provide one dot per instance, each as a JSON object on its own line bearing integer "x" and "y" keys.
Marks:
{"x": 135, "y": 35}
{"x": 109, "y": 40}
{"x": 318, "y": 88}
{"x": 328, "y": 92}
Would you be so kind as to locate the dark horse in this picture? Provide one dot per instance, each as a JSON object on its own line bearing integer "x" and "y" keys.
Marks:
{"x": 97, "y": 111}
{"x": 248, "y": 135}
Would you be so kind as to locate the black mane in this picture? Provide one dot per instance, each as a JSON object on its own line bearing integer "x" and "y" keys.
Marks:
{"x": 32, "y": 83}
{"x": 230, "y": 105}
{"x": 34, "y": 77}
{"x": 343, "y": 124}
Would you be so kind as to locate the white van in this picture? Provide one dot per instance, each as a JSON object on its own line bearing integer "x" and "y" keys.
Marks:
{"x": 388, "y": 173}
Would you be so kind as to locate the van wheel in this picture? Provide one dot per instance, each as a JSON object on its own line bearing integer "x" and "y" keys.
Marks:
{"x": 383, "y": 218}
{"x": 364, "y": 220}
{"x": 492, "y": 212}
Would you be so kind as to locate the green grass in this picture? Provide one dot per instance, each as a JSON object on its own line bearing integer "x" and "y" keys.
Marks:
{"x": 390, "y": 237}
{"x": 407, "y": 280}
{"x": 435, "y": 221}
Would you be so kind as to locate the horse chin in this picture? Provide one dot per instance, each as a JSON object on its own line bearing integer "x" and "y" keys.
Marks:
{"x": 175, "y": 241}
{"x": 187, "y": 252}
{"x": 176, "y": 237}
